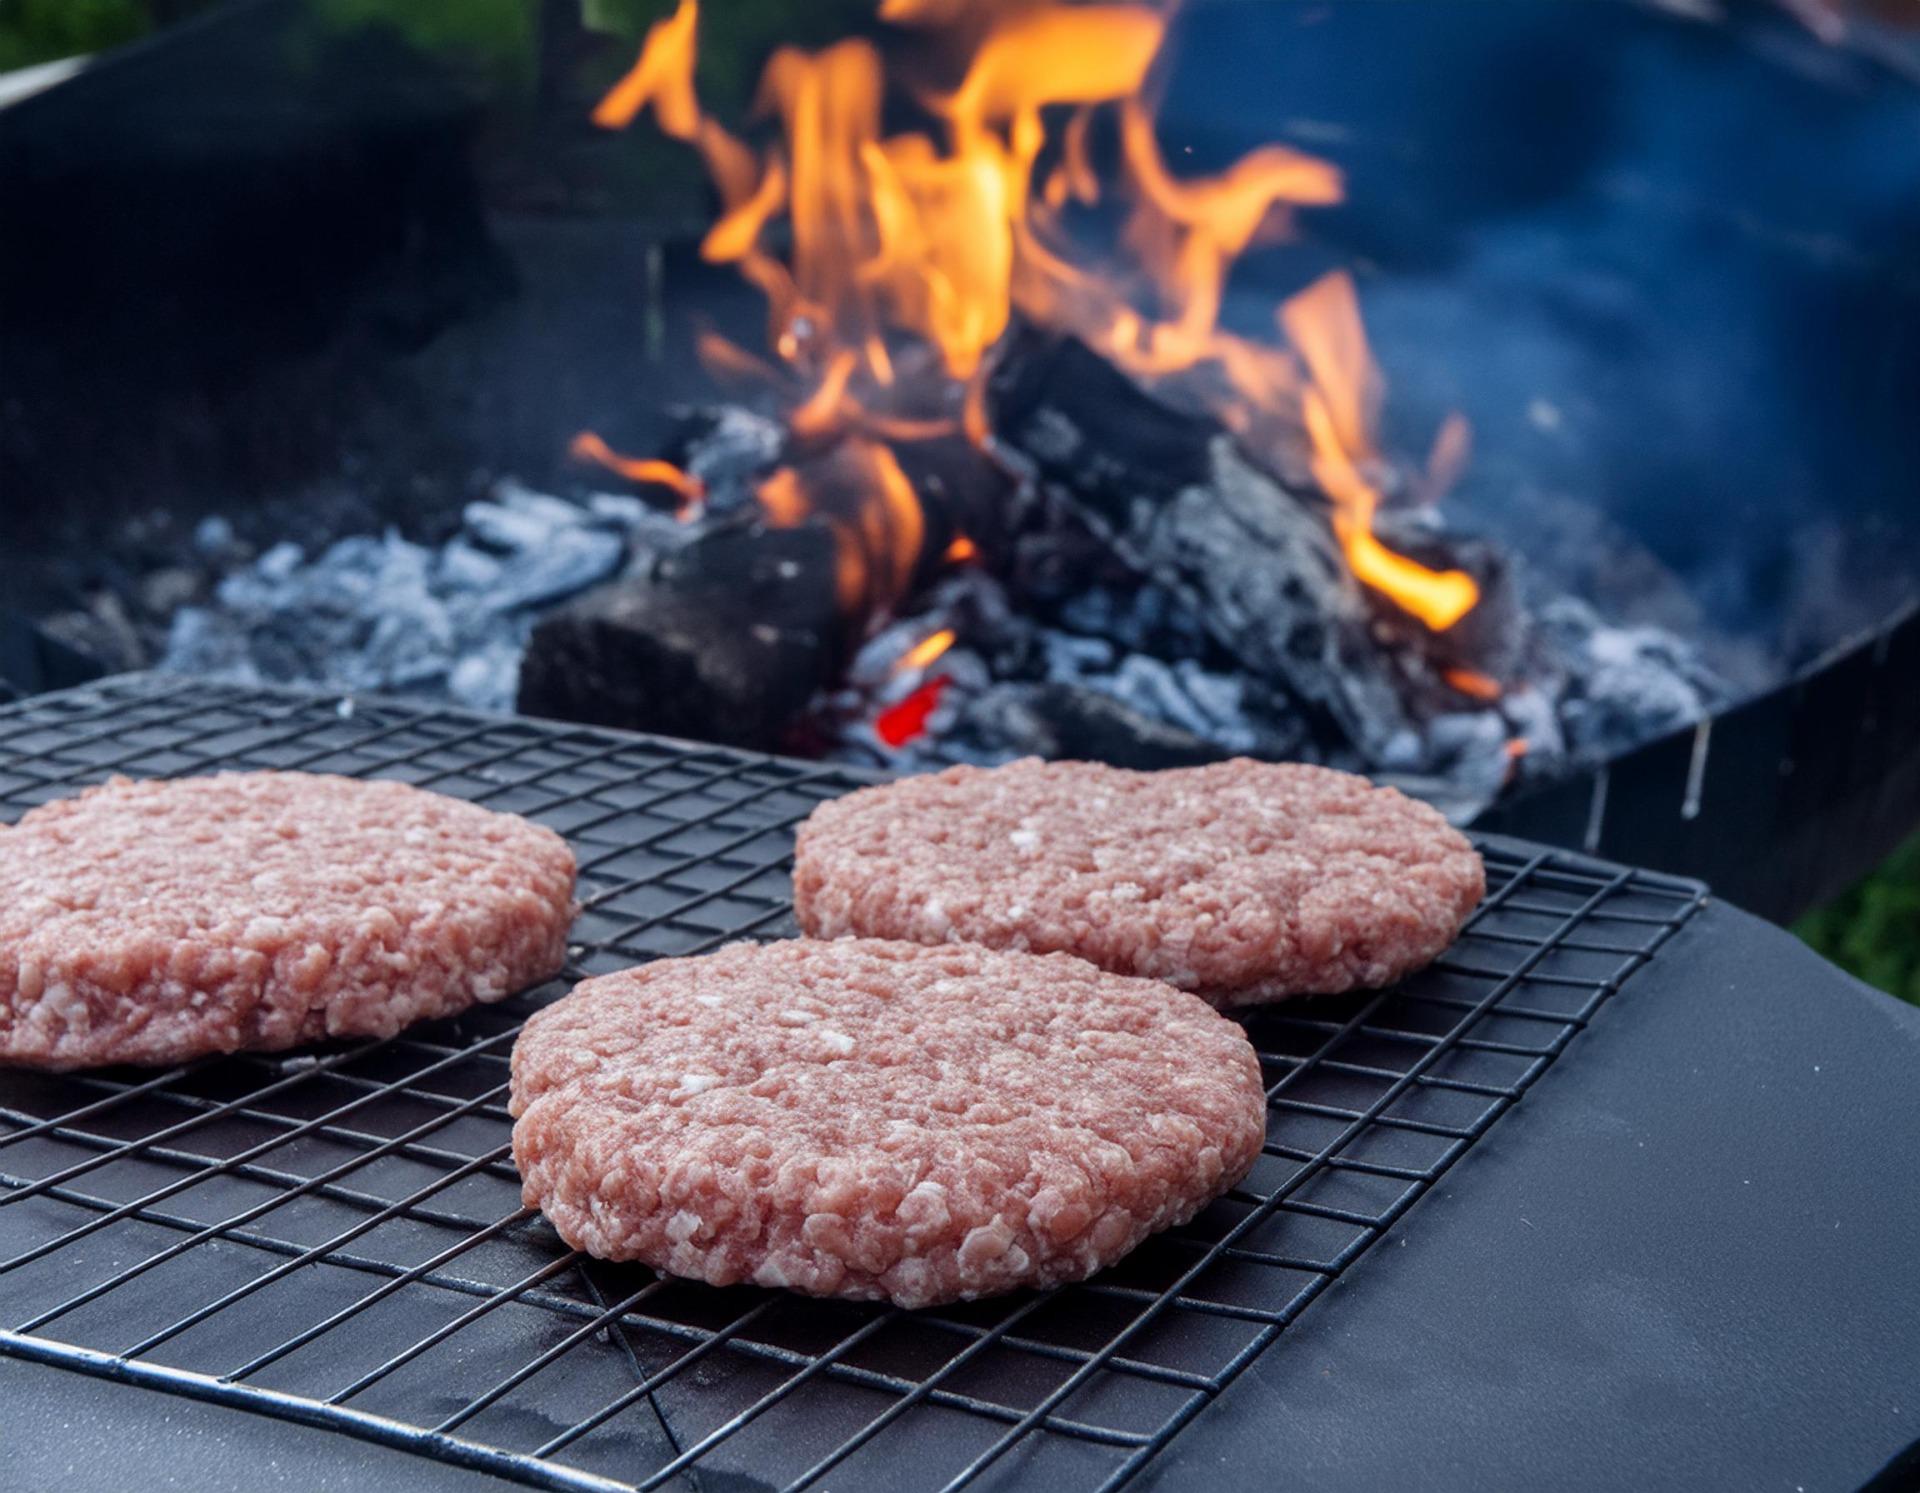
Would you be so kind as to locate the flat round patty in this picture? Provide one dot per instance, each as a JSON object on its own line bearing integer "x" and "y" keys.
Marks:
{"x": 1241, "y": 881}
{"x": 155, "y": 921}
{"x": 878, "y": 1120}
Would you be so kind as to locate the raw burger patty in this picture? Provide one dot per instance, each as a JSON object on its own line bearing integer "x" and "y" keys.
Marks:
{"x": 155, "y": 921}
{"x": 1242, "y": 881}
{"x": 878, "y": 1120}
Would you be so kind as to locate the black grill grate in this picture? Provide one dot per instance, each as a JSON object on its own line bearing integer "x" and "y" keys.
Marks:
{"x": 337, "y": 1238}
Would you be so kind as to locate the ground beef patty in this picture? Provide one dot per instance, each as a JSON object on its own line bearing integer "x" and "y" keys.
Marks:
{"x": 1242, "y": 881}
{"x": 878, "y": 1120}
{"x": 151, "y": 922}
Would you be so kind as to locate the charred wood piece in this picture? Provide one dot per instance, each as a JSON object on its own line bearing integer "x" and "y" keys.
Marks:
{"x": 725, "y": 640}
{"x": 1175, "y": 499}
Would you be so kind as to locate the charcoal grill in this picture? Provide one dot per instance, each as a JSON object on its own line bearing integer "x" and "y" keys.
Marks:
{"x": 336, "y": 1237}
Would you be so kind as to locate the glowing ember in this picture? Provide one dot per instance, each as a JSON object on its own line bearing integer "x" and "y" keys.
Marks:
{"x": 1473, "y": 683}
{"x": 587, "y": 446}
{"x": 906, "y": 721}
{"x": 1517, "y": 748}
{"x": 961, "y": 550}
{"x": 938, "y": 236}
{"x": 926, "y": 650}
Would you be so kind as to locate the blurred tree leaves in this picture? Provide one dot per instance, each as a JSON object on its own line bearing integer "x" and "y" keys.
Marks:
{"x": 534, "y": 68}
{"x": 502, "y": 37}
{"x": 498, "y": 37}
{"x": 628, "y": 18}
{"x": 1873, "y": 931}
{"x": 34, "y": 31}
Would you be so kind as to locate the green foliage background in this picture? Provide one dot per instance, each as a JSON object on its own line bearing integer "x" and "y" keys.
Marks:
{"x": 1874, "y": 929}
{"x": 501, "y": 35}
{"x": 34, "y": 31}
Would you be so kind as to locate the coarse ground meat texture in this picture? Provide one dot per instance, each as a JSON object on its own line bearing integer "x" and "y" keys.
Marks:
{"x": 1241, "y": 881}
{"x": 157, "y": 921}
{"x": 879, "y": 1120}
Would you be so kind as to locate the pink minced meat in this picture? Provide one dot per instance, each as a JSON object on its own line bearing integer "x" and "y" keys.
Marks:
{"x": 157, "y": 921}
{"x": 1242, "y": 881}
{"x": 878, "y": 1120}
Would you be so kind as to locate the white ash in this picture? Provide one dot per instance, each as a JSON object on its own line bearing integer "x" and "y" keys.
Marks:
{"x": 1624, "y": 681}
{"x": 736, "y": 449}
{"x": 384, "y": 614}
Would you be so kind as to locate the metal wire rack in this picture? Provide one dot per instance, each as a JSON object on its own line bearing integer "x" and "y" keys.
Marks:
{"x": 336, "y": 1237}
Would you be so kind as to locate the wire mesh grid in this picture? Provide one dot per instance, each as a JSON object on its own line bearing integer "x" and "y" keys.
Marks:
{"x": 336, "y": 1237}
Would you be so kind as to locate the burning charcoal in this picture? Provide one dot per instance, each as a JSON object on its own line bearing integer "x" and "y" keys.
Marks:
{"x": 490, "y": 673}
{"x": 1072, "y": 656}
{"x": 1467, "y": 752}
{"x": 464, "y": 566}
{"x": 389, "y": 615}
{"x": 1070, "y": 720}
{"x": 1144, "y": 618}
{"x": 728, "y": 449}
{"x": 727, "y": 639}
{"x": 1177, "y": 502}
{"x": 648, "y": 532}
{"x": 566, "y": 564}
{"x": 997, "y": 644}
{"x": 102, "y": 631}
{"x": 163, "y": 592}
{"x": 620, "y": 509}
{"x": 280, "y": 562}
{"x": 213, "y": 535}
{"x": 1492, "y": 639}
{"x": 964, "y": 492}
{"x": 1624, "y": 685}
{"x": 519, "y": 518}
{"x": 1538, "y": 743}
{"x": 405, "y": 651}
{"x": 1184, "y": 696}
{"x": 32, "y": 660}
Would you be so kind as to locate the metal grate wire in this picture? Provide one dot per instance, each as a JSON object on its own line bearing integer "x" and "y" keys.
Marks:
{"x": 336, "y": 1237}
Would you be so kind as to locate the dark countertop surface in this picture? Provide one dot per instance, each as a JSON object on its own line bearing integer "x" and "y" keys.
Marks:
{"x": 1688, "y": 1259}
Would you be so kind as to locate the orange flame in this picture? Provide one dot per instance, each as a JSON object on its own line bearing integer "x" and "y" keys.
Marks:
{"x": 783, "y": 499}
{"x": 943, "y": 242}
{"x": 1323, "y": 323}
{"x": 819, "y": 411}
{"x": 861, "y": 240}
{"x": 926, "y": 650}
{"x": 859, "y": 491}
{"x": 587, "y": 446}
{"x": 662, "y": 77}
{"x": 961, "y": 550}
{"x": 1447, "y": 458}
{"x": 1081, "y": 54}
{"x": 727, "y": 359}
